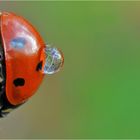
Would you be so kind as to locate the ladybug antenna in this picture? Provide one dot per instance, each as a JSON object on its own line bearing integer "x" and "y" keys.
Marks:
{"x": 54, "y": 60}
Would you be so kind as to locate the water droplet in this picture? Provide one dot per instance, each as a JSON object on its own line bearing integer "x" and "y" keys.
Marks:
{"x": 54, "y": 60}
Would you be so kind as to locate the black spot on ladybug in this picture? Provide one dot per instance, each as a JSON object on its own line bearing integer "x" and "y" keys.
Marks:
{"x": 19, "y": 82}
{"x": 39, "y": 66}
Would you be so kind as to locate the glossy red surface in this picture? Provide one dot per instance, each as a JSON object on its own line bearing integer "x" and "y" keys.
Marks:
{"x": 24, "y": 49}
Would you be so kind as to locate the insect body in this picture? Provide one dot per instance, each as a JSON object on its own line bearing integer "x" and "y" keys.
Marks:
{"x": 24, "y": 60}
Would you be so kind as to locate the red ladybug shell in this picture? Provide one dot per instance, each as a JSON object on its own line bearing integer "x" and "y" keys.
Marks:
{"x": 24, "y": 50}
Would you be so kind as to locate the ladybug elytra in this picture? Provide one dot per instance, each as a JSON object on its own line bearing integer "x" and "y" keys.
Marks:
{"x": 24, "y": 60}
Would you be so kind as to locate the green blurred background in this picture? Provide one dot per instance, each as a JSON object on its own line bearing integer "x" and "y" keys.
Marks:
{"x": 97, "y": 93}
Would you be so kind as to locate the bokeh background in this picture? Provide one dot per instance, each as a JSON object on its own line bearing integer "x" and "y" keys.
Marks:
{"x": 97, "y": 93}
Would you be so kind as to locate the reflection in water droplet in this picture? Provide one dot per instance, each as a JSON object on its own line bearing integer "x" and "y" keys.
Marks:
{"x": 54, "y": 60}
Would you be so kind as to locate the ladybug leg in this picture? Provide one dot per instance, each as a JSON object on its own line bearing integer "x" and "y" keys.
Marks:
{"x": 2, "y": 68}
{"x": 2, "y": 73}
{"x": 6, "y": 106}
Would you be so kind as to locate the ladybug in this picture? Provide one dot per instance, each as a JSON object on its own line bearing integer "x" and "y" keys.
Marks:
{"x": 24, "y": 60}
